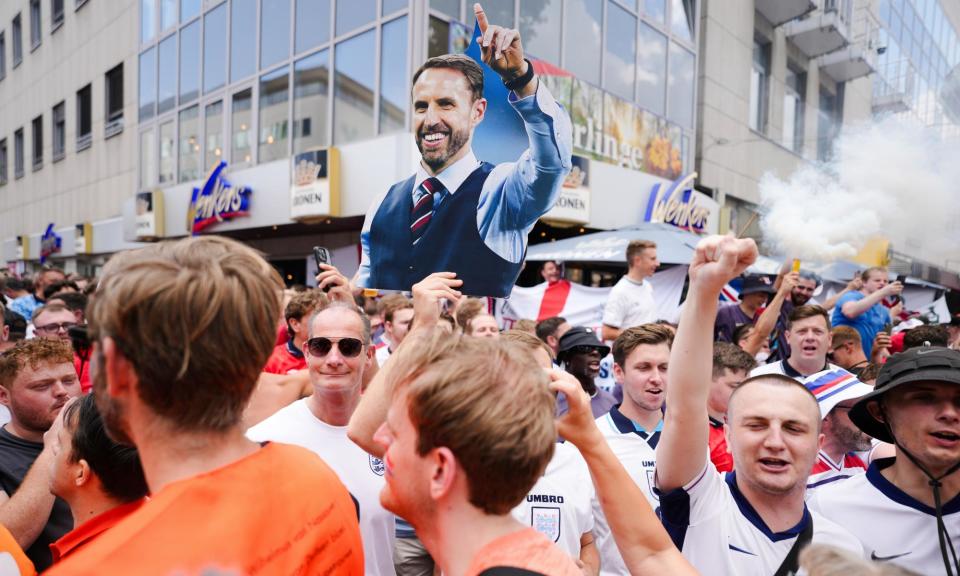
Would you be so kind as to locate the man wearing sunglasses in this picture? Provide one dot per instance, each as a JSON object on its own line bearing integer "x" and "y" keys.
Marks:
{"x": 580, "y": 354}
{"x": 338, "y": 353}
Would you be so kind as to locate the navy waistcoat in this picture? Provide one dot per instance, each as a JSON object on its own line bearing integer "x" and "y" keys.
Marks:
{"x": 451, "y": 243}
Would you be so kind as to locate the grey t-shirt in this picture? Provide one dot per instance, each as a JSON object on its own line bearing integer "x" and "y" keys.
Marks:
{"x": 16, "y": 457}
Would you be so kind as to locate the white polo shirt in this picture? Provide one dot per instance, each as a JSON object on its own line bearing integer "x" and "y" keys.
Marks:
{"x": 558, "y": 506}
{"x": 890, "y": 524}
{"x": 636, "y": 451}
{"x": 719, "y": 532}
{"x": 360, "y": 472}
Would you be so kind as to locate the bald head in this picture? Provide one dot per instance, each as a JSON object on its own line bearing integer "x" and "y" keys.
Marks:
{"x": 342, "y": 312}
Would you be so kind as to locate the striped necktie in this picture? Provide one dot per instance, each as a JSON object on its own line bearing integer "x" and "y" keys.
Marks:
{"x": 423, "y": 207}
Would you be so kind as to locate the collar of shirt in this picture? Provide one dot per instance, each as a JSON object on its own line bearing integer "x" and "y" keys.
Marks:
{"x": 750, "y": 513}
{"x": 628, "y": 426}
{"x": 452, "y": 176}
{"x": 92, "y": 528}
{"x": 293, "y": 350}
{"x": 789, "y": 370}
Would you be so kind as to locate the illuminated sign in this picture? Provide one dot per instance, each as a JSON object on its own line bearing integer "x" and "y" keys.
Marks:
{"x": 50, "y": 243}
{"x": 681, "y": 206}
{"x": 217, "y": 201}
{"x": 315, "y": 192}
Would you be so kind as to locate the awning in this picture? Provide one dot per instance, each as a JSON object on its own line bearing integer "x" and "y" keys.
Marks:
{"x": 674, "y": 246}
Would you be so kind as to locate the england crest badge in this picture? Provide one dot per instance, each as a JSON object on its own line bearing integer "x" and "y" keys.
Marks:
{"x": 376, "y": 465}
{"x": 546, "y": 520}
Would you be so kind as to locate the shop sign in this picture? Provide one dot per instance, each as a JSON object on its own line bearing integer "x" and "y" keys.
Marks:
{"x": 23, "y": 247}
{"x": 83, "y": 238}
{"x": 150, "y": 215}
{"x": 216, "y": 201}
{"x": 315, "y": 192}
{"x": 681, "y": 206}
{"x": 50, "y": 243}
{"x": 573, "y": 203}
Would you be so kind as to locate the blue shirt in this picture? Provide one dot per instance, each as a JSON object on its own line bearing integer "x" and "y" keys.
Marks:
{"x": 515, "y": 194}
{"x": 25, "y": 305}
{"x": 867, "y": 324}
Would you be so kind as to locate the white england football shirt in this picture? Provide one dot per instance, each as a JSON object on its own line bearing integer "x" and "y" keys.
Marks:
{"x": 719, "y": 532}
{"x": 360, "y": 472}
{"x": 630, "y": 304}
{"x": 826, "y": 471}
{"x": 636, "y": 451}
{"x": 558, "y": 506}
{"x": 890, "y": 524}
{"x": 784, "y": 368}
{"x": 383, "y": 354}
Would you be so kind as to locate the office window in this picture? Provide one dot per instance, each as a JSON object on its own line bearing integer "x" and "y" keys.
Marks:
{"x": 313, "y": 24}
{"x": 680, "y": 86}
{"x": 241, "y": 122}
{"x": 213, "y": 132}
{"x": 3, "y": 55}
{"x": 3, "y": 161}
{"x": 189, "y": 144}
{"x": 189, "y": 9}
{"x": 501, "y": 11}
{"x": 829, "y": 117}
{"x": 540, "y": 29}
{"x": 681, "y": 19}
{"x": 352, "y": 14}
{"x": 353, "y": 89}
{"x": 113, "y": 96}
{"x": 620, "y": 62}
{"x": 167, "y": 82}
{"x": 795, "y": 88}
{"x": 18, "y": 153}
{"x": 59, "y": 131}
{"x": 84, "y": 118}
{"x": 190, "y": 63}
{"x": 148, "y": 84}
{"x": 35, "y": 29}
{"x": 274, "y": 94}
{"x": 243, "y": 32}
{"x": 274, "y": 32}
{"x": 311, "y": 83}
{"x": 449, "y": 7}
{"x": 655, "y": 10}
{"x": 215, "y": 48}
{"x": 759, "y": 85}
{"x": 652, "y": 69}
{"x": 37, "y": 142}
{"x": 168, "y": 13}
{"x": 148, "y": 159}
{"x": 56, "y": 14}
{"x": 584, "y": 17}
{"x": 391, "y": 6}
{"x": 148, "y": 20}
{"x": 394, "y": 95}
{"x": 167, "y": 160}
{"x": 17, "y": 41}
{"x": 438, "y": 39}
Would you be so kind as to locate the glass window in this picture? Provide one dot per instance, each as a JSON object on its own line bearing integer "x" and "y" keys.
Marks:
{"x": 17, "y": 41}
{"x": 215, "y": 48}
{"x": 37, "y": 134}
{"x": 540, "y": 28}
{"x": 795, "y": 87}
{"x": 56, "y": 13}
{"x": 167, "y": 83}
{"x": 313, "y": 24}
{"x": 18, "y": 153}
{"x": 681, "y": 19}
{"x": 113, "y": 93}
{"x": 274, "y": 32}
{"x": 35, "y": 25}
{"x": 148, "y": 19}
{"x": 438, "y": 42}
{"x": 620, "y": 62}
{"x": 189, "y": 144}
{"x": 680, "y": 86}
{"x": 166, "y": 153}
{"x": 449, "y": 7}
{"x": 242, "y": 124}
{"x": 352, "y": 14}
{"x": 353, "y": 89}
{"x": 3, "y": 161}
{"x": 188, "y": 9}
{"x": 190, "y": 62}
{"x": 828, "y": 124}
{"x": 652, "y": 69}
{"x": 655, "y": 10}
{"x": 391, "y": 6}
{"x": 243, "y": 34}
{"x": 759, "y": 85}
{"x": 3, "y": 55}
{"x": 168, "y": 13}
{"x": 148, "y": 159}
{"x": 213, "y": 132}
{"x": 311, "y": 81}
{"x": 274, "y": 117}
{"x": 499, "y": 12}
{"x": 393, "y": 76}
{"x": 84, "y": 116}
{"x": 148, "y": 84}
{"x": 582, "y": 40}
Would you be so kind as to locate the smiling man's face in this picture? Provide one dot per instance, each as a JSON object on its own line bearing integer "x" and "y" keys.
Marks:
{"x": 444, "y": 116}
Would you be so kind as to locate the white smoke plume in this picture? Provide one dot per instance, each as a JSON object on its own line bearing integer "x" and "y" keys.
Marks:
{"x": 889, "y": 179}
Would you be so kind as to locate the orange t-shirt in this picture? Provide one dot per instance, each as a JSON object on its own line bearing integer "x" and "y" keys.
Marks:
{"x": 281, "y": 510}
{"x": 526, "y": 549}
{"x": 13, "y": 561}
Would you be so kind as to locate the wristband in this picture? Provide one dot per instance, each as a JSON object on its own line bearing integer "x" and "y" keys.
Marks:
{"x": 522, "y": 80}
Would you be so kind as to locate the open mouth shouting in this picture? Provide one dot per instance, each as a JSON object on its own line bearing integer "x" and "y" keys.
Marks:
{"x": 946, "y": 438}
{"x": 773, "y": 465}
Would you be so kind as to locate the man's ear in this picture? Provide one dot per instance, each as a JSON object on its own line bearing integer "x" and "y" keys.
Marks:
{"x": 874, "y": 409}
{"x": 82, "y": 473}
{"x": 617, "y": 373}
{"x": 118, "y": 370}
{"x": 479, "y": 111}
{"x": 444, "y": 472}
{"x": 5, "y": 395}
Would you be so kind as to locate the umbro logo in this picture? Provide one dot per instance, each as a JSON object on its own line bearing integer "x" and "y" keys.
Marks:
{"x": 875, "y": 558}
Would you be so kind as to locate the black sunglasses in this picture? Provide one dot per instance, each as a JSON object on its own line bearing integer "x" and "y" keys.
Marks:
{"x": 585, "y": 349}
{"x": 321, "y": 346}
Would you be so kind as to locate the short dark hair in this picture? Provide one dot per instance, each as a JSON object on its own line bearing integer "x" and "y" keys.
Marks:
{"x": 116, "y": 465}
{"x": 636, "y": 247}
{"x": 645, "y": 334}
{"x": 74, "y": 301}
{"x": 17, "y": 324}
{"x": 741, "y": 331}
{"x": 935, "y": 334}
{"x": 464, "y": 64}
{"x": 548, "y": 326}
{"x": 57, "y": 287}
{"x": 728, "y": 356}
{"x": 807, "y": 311}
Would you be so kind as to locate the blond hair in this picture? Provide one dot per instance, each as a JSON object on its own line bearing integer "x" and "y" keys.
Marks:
{"x": 824, "y": 560}
{"x": 32, "y": 353}
{"x": 636, "y": 247}
{"x": 526, "y": 340}
{"x": 487, "y": 402}
{"x": 196, "y": 319}
{"x": 844, "y": 334}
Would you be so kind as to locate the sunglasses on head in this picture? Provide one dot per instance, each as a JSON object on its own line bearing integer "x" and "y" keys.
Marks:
{"x": 321, "y": 346}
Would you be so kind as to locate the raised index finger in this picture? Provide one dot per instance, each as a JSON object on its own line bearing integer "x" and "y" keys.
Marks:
{"x": 481, "y": 17}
